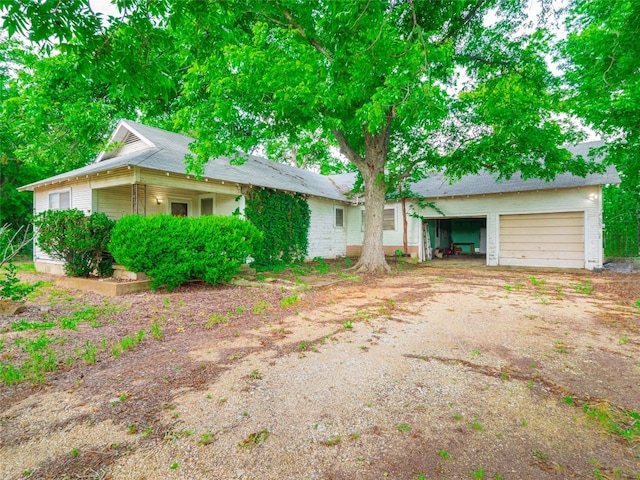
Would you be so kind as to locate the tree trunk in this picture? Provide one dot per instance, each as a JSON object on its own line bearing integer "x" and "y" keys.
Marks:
{"x": 372, "y": 256}
{"x": 371, "y": 166}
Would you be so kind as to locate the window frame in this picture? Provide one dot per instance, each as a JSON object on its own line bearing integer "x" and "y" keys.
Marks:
{"x": 335, "y": 217}
{"x": 59, "y": 193}
{"x": 384, "y": 228}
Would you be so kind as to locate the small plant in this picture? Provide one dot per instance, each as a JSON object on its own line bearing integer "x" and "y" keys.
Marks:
{"x": 10, "y": 286}
{"x": 623, "y": 340}
{"x": 539, "y": 455}
{"x": 174, "y": 466}
{"x": 89, "y": 355}
{"x": 478, "y": 474}
{"x": 75, "y": 452}
{"x": 260, "y": 307}
{"x": 476, "y": 425}
{"x": 217, "y": 319}
{"x": 289, "y": 301}
{"x": 347, "y": 324}
{"x": 255, "y": 375}
{"x": 403, "y": 427}
{"x": 584, "y": 288}
{"x": 156, "y": 331}
{"x": 255, "y": 439}
{"x": 333, "y": 441}
{"x": 444, "y": 454}
{"x": 537, "y": 282}
{"x": 206, "y": 438}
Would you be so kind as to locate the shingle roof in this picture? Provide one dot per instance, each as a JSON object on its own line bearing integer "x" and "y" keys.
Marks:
{"x": 169, "y": 150}
{"x": 437, "y": 185}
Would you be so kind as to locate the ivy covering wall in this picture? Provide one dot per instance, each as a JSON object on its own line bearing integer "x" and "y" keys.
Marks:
{"x": 283, "y": 218}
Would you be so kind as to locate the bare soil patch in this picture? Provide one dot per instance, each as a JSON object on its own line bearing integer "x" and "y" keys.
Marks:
{"x": 432, "y": 372}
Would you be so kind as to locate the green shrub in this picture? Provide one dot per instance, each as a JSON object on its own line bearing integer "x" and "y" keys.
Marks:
{"x": 80, "y": 241}
{"x": 174, "y": 250}
{"x": 10, "y": 286}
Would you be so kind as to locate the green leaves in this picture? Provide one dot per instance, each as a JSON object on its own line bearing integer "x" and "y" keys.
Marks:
{"x": 174, "y": 250}
{"x": 80, "y": 241}
{"x": 283, "y": 218}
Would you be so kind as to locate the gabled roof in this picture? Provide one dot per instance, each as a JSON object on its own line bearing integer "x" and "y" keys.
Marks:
{"x": 165, "y": 151}
{"x": 438, "y": 185}
{"x": 138, "y": 145}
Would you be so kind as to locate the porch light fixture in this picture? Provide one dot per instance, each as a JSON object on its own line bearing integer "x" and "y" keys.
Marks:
{"x": 159, "y": 201}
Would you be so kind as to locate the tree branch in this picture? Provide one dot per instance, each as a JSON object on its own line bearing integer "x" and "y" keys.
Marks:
{"x": 303, "y": 34}
{"x": 465, "y": 20}
{"x": 346, "y": 149}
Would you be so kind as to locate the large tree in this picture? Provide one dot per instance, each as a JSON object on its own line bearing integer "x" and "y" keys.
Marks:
{"x": 401, "y": 87}
{"x": 602, "y": 71}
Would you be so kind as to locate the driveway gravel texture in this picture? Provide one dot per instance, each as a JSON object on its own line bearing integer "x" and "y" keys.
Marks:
{"x": 432, "y": 372}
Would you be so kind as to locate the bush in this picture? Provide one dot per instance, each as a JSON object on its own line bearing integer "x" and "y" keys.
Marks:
{"x": 283, "y": 218}
{"x": 174, "y": 250}
{"x": 80, "y": 241}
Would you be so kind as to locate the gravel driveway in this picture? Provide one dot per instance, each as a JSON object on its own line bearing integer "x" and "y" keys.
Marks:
{"x": 428, "y": 373}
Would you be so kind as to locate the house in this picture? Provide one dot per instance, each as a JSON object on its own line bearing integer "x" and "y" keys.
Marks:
{"x": 513, "y": 222}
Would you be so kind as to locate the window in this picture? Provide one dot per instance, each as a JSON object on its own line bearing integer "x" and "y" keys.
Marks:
{"x": 339, "y": 217}
{"x": 206, "y": 206}
{"x": 388, "y": 219}
{"x": 60, "y": 200}
{"x": 179, "y": 209}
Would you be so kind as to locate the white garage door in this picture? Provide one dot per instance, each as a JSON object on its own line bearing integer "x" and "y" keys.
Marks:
{"x": 542, "y": 240}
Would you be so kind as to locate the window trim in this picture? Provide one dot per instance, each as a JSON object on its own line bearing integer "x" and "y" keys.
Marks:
{"x": 335, "y": 216}
{"x": 212, "y": 196}
{"x": 189, "y": 203}
{"x": 59, "y": 192}
{"x": 395, "y": 219}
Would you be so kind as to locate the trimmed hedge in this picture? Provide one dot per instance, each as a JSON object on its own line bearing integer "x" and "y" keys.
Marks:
{"x": 79, "y": 240}
{"x": 174, "y": 250}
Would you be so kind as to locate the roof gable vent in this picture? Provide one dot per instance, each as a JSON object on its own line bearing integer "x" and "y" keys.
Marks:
{"x": 131, "y": 138}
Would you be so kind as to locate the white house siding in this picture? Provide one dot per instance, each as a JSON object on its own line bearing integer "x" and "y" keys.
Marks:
{"x": 325, "y": 239}
{"x": 583, "y": 199}
{"x": 392, "y": 239}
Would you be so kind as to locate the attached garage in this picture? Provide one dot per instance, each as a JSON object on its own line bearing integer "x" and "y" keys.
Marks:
{"x": 542, "y": 240}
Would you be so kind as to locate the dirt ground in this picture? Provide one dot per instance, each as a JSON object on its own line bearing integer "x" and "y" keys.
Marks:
{"x": 437, "y": 371}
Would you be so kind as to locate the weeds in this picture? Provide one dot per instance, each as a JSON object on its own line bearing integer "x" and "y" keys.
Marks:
{"x": 217, "y": 319}
{"x": 584, "y": 288}
{"x": 255, "y": 439}
{"x": 206, "y": 438}
{"x": 23, "y": 325}
{"x": 333, "y": 441}
{"x": 289, "y": 301}
{"x": 156, "y": 331}
{"x": 403, "y": 427}
{"x": 89, "y": 356}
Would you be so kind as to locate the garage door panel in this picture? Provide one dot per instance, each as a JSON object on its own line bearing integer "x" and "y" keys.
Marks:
{"x": 523, "y": 237}
{"x": 542, "y": 239}
{"x": 537, "y": 247}
{"x": 546, "y": 222}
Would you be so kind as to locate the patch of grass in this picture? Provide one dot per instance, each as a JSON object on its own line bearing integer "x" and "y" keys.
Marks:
{"x": 560, "y": 347}
{"x": 584, "y": 288}
{"x": 623, "y": 423}
{"x": 289, "y": 301}
{"x": 476, "y": 425}
{"x": 156, "y": 331}
{"x": 537, "y": 282}
{"x": 206, "y": 438}
{"x": 333, "y": 441}
{"x": 23, "y": 325}
{"x": 218, "y": 319}
{"x": 347, "y": 324}
{"x": 255, "y": 375}
{"x": 623, "y": 340}
{"x": 89, "y": 355}
{"x": 10, "y": 375}
{"x": 255, "y": 439}
{"x": 444, "y": 454}
{"x": 477, "y": 474}
{"x": 539, "y": 455}
{"x": 403, "y": 427}
{"x": 260, "y": 307}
